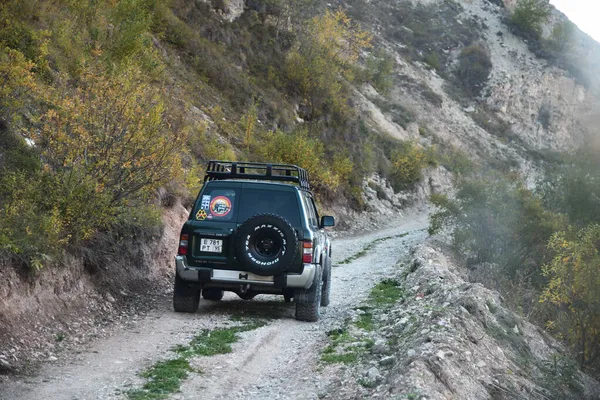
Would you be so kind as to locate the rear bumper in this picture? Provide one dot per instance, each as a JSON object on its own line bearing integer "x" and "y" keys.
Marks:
{"x": 215, "y": 276}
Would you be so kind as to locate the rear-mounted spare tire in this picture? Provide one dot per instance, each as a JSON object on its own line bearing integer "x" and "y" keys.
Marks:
{"x": 266, "y": 244}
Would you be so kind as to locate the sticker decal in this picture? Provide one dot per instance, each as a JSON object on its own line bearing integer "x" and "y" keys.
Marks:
{"x": 201, "y": 215}
{"x": 220, "y": 206}
{"x": 205, "y": 202}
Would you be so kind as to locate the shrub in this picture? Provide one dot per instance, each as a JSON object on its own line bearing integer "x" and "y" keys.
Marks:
{"x": 433, "y": 60}
{"x": 379, "y": 70}
{"x": 408, "y": 161}
{"x": 474, "y": 68}
{"x": 325, "y": 54}
{"x": 562, "y": 37}
{"x": 454, "y": 160}
{"x": 574, "y": 286}
{"x": 496, "y": 219}
{"x": 112, "y": 129}
{"x": 572, "y": 186}
{"x": 16, "y": 82}
{"x": 529, "y": 17}
{"x": 301, "y": 149}
{"x": 132, "y": 20}
{"x": 545, "y": 115}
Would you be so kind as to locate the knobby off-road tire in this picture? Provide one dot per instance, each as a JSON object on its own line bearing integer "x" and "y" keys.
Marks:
{"x": 326, "y": 283}
{"x": 212, "y": 294}
{"x": 308, "y": 302}
{"x": 266, "y": 244}
{"x": 185, "y": 297}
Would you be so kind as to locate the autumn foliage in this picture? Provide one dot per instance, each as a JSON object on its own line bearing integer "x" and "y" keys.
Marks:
{"x": 320, "y": 62}
{"x": 574, "y": 287}
{"x": 113, "y": 131}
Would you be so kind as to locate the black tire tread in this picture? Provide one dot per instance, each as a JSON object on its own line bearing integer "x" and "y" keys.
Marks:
{"x": 310, "y": 310}
{"x": 186, "y": 304}
{"x": 326, "y": 291}
{"x": 292, "y": 244}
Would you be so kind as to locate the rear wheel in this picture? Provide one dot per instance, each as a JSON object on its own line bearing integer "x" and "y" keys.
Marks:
{"x": 326, "y": 283}
{"x": 212, "y": 294}
{"x": 185, "y": 296}
{"x": 308, "y": 302}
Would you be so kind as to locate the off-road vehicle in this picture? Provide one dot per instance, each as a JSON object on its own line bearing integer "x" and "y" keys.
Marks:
{"x": 254, "y": 229}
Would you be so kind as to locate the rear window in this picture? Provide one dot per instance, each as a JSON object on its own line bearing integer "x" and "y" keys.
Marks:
{"x": 237, "y": 204}
{"x": 261, "y": 201}
{"x": 217, "y": 204}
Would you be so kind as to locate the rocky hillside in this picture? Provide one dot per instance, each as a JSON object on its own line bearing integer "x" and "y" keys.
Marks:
{"x": 527, "y": 105}
{"x": 450, "y": 338}
{"x": 385, "y": 103}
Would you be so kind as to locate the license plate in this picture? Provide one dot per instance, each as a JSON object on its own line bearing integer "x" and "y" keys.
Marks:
{"x": 211, "y": 245}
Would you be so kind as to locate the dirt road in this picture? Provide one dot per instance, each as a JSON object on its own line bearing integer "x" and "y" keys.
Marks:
{"x": 277, "y": 361}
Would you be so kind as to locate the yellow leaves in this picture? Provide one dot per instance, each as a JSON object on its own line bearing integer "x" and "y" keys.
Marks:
{"x": 407, "y": 164}
{"x": 300, "y": 149}
{"x": 324, "y": 57}
{"x": 114, "y": 128}
{"x": 16, "y": 80}
{"x": 574, "y": 284}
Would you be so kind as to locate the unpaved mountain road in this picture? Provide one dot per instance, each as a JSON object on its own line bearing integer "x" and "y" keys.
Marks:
{"x": 277, "y": 361}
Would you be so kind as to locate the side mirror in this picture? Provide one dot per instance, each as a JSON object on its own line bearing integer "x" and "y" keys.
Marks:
{"x": 327, "y": 221}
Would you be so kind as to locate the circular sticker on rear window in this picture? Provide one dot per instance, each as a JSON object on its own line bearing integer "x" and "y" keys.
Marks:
{"x": 220, "y": 206}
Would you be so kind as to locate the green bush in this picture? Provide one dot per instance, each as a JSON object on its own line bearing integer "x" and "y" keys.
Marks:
{"x": 433, "y": 60}
{"x": 574, "y": 287}
{"x": 572, "y": 186}
{"x": 379, "y": 71}
{"x": 496, "y": 219}
{"x": 474, "y": 68}
{"x": 562, "y": 37}
{"x": 529, "y": 17}
{"x": 408, "y": 161}
{"x": 301, "y": 149}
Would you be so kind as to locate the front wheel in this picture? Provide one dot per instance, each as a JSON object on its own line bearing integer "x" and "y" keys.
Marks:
{"x": 308, "y": 302}
{"x": 185, "y": 296}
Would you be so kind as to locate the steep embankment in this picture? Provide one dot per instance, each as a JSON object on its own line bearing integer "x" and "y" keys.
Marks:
{"x": 527, "y": 104}
{"x": 448, "y": 338}
{"x": 40, "y": 314}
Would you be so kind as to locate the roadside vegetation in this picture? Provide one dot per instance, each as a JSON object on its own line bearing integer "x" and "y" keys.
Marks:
{"x": 539, "y": 247}
{"x": 350, "y": 342}
{"x": 108, "y": 111}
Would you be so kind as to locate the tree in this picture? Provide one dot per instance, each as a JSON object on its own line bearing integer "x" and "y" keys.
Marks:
{"x": 530, "y": 15}
{"x": 562, "y": 36}
{"x": 474, "y": 68}
{"x": 112, "y": 131}
{"x": 574, "y": 288}
{"x": 323, "y": 58}
{"x": 16, "y": 81}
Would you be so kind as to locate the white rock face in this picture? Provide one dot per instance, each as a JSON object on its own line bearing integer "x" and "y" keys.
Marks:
{"x": 235, "y": 9}
{"x": 543, "y": 106}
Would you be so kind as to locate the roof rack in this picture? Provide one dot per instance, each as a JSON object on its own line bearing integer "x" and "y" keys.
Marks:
{"x": 217, "y": 170}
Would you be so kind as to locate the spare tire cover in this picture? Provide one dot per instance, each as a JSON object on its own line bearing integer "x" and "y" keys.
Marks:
{"x": 266, "y": 244}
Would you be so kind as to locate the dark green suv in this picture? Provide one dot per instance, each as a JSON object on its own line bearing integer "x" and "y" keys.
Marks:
{"x": 254, "y": 229}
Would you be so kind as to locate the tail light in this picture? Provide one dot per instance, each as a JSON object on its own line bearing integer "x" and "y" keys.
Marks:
{"x": 307, "y": 252}
{"x": 183, "y": 245}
